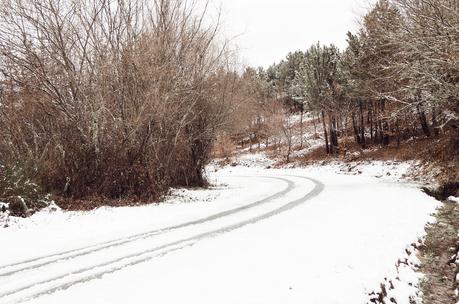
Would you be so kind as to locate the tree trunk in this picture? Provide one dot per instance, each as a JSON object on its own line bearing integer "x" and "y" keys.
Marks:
{"x": 370, "y": 114}
{"x": 356, "y": 129}
{"x": 301, "y": 127}
{"x": 331, "y": 134}
{"x": 434, "y": 121}
{"x": 423, "y": 120}
{"x": 197, "y": 154}
{"x": 327, "y": 146}
{"x": 362, "y": 126}
{"x": 289, "y": 150}
{"x": 385, "y": 136}
{"x": 315, "y": 126}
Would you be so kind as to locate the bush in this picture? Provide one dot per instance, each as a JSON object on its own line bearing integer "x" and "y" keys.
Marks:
{"x": 224, "y": 147}
{"x": 125, "y": 111}
{"x": 19, "y": 192}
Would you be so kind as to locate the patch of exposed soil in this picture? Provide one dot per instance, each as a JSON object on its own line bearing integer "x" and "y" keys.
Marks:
{"x": 438, "y": 257}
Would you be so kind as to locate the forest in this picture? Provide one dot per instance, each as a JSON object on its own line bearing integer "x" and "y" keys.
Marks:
{"x": 115, "y": 102}
{"x": 397, "y": 79}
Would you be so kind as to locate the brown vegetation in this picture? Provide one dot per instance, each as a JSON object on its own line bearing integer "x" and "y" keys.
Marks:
{"x": 110, "y": 98}
{"x": 440, "y": 245}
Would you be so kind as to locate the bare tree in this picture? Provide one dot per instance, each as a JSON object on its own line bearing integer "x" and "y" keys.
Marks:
{"x": 111, "y": 98}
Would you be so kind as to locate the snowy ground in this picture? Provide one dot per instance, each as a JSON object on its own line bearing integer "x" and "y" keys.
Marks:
{"x": 311, "y": 235}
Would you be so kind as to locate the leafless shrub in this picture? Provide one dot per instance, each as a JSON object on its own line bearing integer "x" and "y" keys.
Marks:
{"x": 113, "y": 98}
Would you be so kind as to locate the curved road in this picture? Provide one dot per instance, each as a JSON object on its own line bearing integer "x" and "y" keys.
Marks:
{"x": 23, "y": 280}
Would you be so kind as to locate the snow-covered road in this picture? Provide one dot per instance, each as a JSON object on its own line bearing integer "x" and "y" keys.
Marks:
{"x": 262, "y": 236}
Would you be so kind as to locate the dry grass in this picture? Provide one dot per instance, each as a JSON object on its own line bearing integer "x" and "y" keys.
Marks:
{"x": 224, "y": 147}
{"x": 438, "y": 153}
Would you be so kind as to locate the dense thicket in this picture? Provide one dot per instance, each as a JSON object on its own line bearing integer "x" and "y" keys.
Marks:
{"x": 398, "y": 77}
{"x": 110, "y": 98}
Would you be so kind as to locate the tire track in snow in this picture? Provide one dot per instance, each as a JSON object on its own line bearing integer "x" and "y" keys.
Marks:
{"x": 5, "y": 270}
{"x": 98, "y": 271}
{"x": 86, "y": 251}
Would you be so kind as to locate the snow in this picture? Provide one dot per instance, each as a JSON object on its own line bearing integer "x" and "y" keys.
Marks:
{"x": 402, "y": 286}
{"x": 258, "y": 160}
{"x": 335, "y": 246}
{"x": 296, "y": 118}
{"x": 453, "y": 199}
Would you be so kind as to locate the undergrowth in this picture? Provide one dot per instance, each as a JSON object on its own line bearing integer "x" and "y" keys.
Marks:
{"x": 19, "y": 192}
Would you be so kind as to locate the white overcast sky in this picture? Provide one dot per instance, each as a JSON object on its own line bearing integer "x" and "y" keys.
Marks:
{"x": 266, "y": 30}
